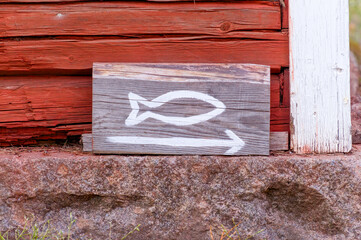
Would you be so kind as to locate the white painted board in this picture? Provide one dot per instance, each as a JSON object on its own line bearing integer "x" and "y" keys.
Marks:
{"x": 320, "y": 76}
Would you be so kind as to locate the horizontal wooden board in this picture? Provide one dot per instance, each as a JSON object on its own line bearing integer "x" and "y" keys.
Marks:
{"x": 280, "y": 119}
{"x": 34, "y": 101}
{"x": 76, "y": 56}
{"x": 87, "y": 142}
{"x": 36, "y": 108}
{"x": 207, "y": 109}
{"x": 54, "y": 107}
{"x": 136, "y": 18}
{"x": 267, "y": 2}
{"x": 279, "y": 141}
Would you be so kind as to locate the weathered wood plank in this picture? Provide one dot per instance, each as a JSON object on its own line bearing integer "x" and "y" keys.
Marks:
{"x": 268, "y": 2}
{"x": 280, "y": 119}
{"x": 39, "y": 101}
{"x": 209, "y": 109}
{"x": 285, "y": 88}
{"x": 87, "y": 141}
{"x": 275, "y": 91}
{"x": 75, "y": 56}
{"x": 320, "y": 76}
{"x": 136, "y": 18}
{"x": 278, "y": 141}
{"x": 27, "y": 136}
{"x": 285, "y": 16}
{"x": 19, "y": 95}
{"x": 54, "y": 107}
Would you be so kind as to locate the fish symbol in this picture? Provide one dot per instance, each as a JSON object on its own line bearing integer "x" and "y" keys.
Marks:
{"x": 134, "y": 100}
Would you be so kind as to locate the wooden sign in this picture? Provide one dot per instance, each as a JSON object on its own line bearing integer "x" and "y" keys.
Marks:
{"x": 206, "y": 109}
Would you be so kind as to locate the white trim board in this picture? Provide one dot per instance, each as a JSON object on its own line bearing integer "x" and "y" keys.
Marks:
{"x": 320, "y": 76}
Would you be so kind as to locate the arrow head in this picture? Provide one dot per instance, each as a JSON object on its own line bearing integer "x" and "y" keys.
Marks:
{"x": 237, "y": 143}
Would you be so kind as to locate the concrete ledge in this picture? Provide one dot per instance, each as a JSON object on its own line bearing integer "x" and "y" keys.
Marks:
{"x": 180, "y": 197}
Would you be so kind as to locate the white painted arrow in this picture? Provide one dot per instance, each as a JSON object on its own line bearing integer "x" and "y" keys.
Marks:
{"x": 235, "y": 143}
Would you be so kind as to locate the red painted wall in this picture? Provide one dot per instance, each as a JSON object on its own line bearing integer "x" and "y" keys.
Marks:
{"x": 47, "y": 48}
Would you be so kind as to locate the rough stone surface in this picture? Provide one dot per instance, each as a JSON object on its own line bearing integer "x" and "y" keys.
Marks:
{"x": 291, "y": 197}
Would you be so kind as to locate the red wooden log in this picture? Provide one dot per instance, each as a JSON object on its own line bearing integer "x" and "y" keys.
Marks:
{"x": 76, "y": 56}
{"x": 38, "y": 101}
{"x": 136, "y": 18}
{"x": 41, "y": 107}
{"x": 266, "y": 2}
{"x": 280, "y": 119}
{"x": 285, "y": 14}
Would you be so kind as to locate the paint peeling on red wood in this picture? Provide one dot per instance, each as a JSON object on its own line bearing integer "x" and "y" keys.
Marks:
{"x": 46, "y": 108}
{"x": 275, "y": 91}
{"x": 285, "y": 88}
{"x": 266, "y": 2}
{"x": 136, "y": 18}
{"x": 74, "y": 56}
{"x": 280, "y": 119}
{"x": 285, "y": 15}
{"x": 44, "y": 101}
{"x": 55, "y": 107}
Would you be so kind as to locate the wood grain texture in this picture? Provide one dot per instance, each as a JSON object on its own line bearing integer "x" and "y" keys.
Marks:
{"x": 275, "y": 91}
{"x": 240, "y": 94}
{"x": 38, "y": 108}
{"x": 76, "y": 56}
{"x": 320, "y": 76}
{"x": 267, "y": 2}
{"x": 42, "y": 100}
{"x": 136, "y": 18}
{"x": 285, "y": 88}
{"x": 280, "y": 119}
{"x": 55, "y": 107}
{"x": 87, "y": 141}
{"x": 285, "y": 15}
{"x": 59, "y": 38}
{"x": 278, "y": 141}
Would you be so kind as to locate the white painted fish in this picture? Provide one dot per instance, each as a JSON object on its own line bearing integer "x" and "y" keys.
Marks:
{"x": 134, "y": 100}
